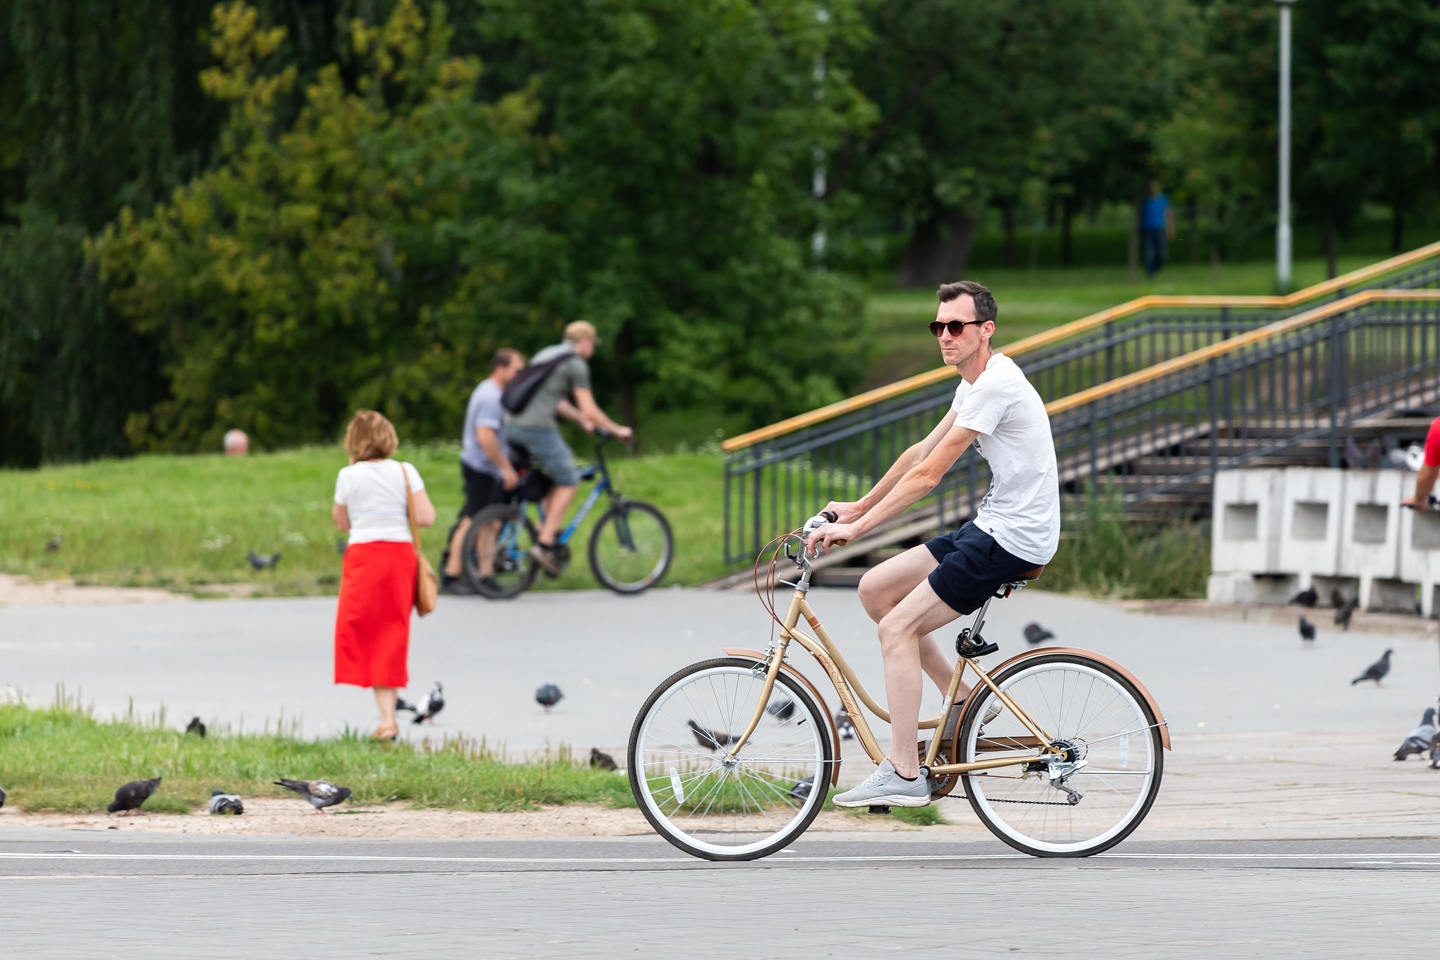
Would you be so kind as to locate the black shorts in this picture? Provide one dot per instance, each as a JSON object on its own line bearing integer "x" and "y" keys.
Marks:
{"x": 972, "y": 567}
{"x": 481, "y": 490}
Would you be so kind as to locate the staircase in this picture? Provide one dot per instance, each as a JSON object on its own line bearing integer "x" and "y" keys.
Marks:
{"x": 1153, "y": 398}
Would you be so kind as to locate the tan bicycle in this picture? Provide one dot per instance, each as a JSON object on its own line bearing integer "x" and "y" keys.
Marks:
{"x": 1059, "y": 751}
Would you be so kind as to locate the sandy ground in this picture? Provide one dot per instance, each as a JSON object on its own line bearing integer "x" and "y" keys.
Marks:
{"x": 24, "y": 592}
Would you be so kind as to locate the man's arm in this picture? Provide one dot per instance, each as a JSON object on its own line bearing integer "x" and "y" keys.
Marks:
{"x": 585, "y": 400}
{"x": 913, "y": 455}
{"x": 1424, "y": 483}
{"x": 489, "y": 442}
{"x": 567, "y": 410}
{"x": 914, "y": 484}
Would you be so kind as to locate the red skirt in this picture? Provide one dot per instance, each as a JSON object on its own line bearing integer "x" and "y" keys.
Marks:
{"x": 372, "y": 624}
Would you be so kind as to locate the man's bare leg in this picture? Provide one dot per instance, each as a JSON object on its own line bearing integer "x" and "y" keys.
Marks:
{"x": 557, "y": 501}
{"x": 452, "y": 560}
{"x": 885, "y": 585}
{"x": 901, "y": 633}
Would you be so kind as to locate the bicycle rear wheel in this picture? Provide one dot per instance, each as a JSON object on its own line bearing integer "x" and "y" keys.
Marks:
{"x": 631, "y": 547}
{"x": 721, "y": 810}
{"x": 1113, "y": 757}
{"x": 514, "y": 569}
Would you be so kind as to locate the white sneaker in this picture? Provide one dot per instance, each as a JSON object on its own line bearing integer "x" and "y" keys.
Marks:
{"x": 887, "y": 788}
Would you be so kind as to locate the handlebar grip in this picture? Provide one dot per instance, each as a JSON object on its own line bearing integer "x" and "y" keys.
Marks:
{"x": 830, "y": 515}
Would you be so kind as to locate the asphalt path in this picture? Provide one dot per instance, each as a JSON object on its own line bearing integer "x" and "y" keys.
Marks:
{"x": 258, "y": 664}
{"x": 65, "y": 894}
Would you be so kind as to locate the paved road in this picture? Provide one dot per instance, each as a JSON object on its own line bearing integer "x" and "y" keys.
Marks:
{"x": 68, "y": 895}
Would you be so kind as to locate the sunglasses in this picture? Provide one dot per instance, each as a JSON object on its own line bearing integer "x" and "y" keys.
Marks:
{"x": 956, "y": 327}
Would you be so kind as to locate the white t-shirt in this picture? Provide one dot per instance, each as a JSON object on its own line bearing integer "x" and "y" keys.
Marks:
{"x": 1021, "y": 510}
{"x": 373, "y": 491}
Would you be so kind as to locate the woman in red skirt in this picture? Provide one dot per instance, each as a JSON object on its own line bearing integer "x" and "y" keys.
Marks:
{"x": 377, "y": 583}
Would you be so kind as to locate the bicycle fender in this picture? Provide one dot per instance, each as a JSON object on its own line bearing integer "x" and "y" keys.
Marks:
{"x": 1100, "y": 658}
{"x": 805, "y": 681}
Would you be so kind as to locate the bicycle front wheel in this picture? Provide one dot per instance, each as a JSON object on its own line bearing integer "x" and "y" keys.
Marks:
{"x": 713, "y": 807}
{"x": 631, "y": 547}
{"x": 503, "y": 535}
{"x": 1111, "y": 762}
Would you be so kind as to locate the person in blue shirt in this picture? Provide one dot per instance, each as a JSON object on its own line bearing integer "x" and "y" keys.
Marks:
{"x": 1157, "y": 227}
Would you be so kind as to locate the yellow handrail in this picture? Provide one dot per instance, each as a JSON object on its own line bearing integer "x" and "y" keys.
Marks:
{"x": 1233, "y": 343}
{"x": 1065, "y": 330}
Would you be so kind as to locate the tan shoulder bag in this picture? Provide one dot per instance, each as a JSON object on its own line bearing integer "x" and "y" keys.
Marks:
{"x": 427, "y": 588}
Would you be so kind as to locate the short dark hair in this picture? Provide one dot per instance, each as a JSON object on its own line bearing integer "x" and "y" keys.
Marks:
{"x": 985, "y": 306}
{"x": 504, "y": 357}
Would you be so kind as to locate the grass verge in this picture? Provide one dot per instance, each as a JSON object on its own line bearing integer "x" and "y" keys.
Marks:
{"x": 61, "y": 758}
{"x": 186, "y": 522}
{"x": 1103, "y": 555}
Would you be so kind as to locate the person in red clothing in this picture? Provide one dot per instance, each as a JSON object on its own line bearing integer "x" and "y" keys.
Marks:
{"x": 377, "y": 579}
{"x": 1425, "y": 482}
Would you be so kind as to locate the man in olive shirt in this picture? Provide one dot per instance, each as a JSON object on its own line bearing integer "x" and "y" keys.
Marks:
{"x": 535, "y": 428}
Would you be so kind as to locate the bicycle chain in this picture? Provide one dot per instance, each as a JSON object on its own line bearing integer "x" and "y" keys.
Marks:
{"x": 1033, "y": 803}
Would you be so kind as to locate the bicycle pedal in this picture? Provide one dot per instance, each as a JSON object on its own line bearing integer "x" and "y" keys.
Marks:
{"x": 879, "y": 808}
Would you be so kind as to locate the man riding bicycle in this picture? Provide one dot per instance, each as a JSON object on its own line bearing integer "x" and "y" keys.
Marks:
{"x": 1015, "y": 529}
{"x": 535, "y": 428}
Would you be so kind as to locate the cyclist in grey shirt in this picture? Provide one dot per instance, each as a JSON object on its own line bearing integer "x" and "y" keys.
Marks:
{"x": 536, "y": 429}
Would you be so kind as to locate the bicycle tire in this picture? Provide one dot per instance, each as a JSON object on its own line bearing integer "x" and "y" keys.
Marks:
{"x": 648, "y": 530}
{"x": 515, "y": 569}
{"x": 742, "y": 815}
{"x": 1100, "y": 712}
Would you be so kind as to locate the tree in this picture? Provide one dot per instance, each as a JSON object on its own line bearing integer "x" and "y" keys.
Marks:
{"x": 357, "y": 256}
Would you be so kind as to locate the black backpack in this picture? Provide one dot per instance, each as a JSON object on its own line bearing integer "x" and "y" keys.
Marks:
{"x": 518, "y": 392}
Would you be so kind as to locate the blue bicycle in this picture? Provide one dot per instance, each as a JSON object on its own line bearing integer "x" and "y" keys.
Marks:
{"x": 630, "y": 547}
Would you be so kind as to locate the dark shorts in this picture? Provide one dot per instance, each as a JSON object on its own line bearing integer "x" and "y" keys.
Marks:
{"x": 481, "y": 490}
{"x": 972, "y": 567}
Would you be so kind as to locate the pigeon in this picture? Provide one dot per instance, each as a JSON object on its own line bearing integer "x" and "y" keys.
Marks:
{"x": 434, "y": 703}
{"x": 844, "y": 726}
{"x": 548, "y": 695}
{"x": 1376, "y": 671}
{"x": 131, "y": 795}
{"x": 1346, "y": 611}
{"x": 802, "y": 788}
{"x": 402, "y": 704}
{"x": 1307, "y": 630}
{"x": 1337, "y": 599}
{"x": 781, "y": 709}
{"x": 710, "y": 739}
{"x": 600, "y": 759}
{"x": 320, "y": 793}
{"x": 1420, "y": 738}
{"x": 1035, "y": 633}
{"x": 196, "y": 726}
{"x": 1306, "y": 598}
{"x": 53, "y": 544}
{"x": 261, "y": 561}
{"x": 2, "y": 797}
{"x": 225, "y": 804}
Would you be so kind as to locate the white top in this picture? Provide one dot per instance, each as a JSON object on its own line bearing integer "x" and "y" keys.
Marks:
{"x": 373, "y": 491}
{"x": 1021, "y": 510}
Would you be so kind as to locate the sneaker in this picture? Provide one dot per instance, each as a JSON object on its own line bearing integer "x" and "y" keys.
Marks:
{"x": 490, "y": 586}
{"x": 885, "y": 787}
{"x": 544, "y": 554}
{"x": 456, "y": 587}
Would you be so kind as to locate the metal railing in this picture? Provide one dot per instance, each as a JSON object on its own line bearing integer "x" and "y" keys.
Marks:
{"x": 1134, "y": 397}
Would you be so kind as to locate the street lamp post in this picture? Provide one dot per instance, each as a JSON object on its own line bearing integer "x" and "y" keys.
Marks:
{"x": 1282, "y": 226}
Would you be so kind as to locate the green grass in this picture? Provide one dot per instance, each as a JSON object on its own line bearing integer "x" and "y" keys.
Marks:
{"x": 1102, "y": 555}
{"x": 186, "y": 522}
{"x": 1033, "y": 301}
{"x": 62, "y": 758}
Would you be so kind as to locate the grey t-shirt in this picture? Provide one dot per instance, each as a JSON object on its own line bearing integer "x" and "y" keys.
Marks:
{"x": 483, "y": 410}
{"x": 570, "y": 375}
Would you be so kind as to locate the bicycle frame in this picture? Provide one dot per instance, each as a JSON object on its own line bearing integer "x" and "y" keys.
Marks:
{"x": 843, "y": 677}
{"x": 600, "y": 489}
